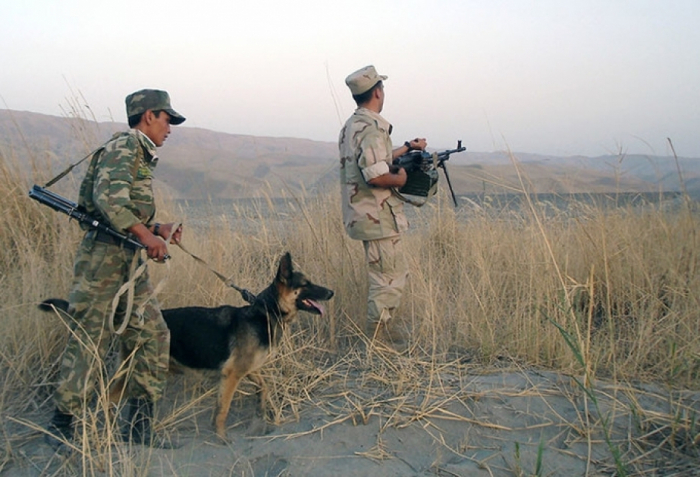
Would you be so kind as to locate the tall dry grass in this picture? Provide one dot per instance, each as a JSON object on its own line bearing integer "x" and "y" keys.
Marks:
{"x": 484, "y": 290}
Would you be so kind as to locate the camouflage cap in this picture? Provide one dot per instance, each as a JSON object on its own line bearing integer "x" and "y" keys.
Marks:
{"x": 153, "y": 99}
{"x": 363, "y": 79}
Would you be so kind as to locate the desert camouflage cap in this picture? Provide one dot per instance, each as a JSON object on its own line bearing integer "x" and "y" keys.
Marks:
{"x": 363, "y": 79}
{"x": 153, "y": 99}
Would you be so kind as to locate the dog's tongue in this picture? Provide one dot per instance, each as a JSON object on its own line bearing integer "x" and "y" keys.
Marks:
{"x": 316, "y": 305}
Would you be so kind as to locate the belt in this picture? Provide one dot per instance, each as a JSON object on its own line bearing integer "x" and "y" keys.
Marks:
{"x": 104, "y": 237}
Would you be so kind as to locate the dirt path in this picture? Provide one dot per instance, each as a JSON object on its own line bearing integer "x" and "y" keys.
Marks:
{"x": 453, "y": 421}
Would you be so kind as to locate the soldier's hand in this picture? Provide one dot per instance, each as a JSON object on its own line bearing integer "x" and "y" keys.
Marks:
{"x": 156, "y": 248}
{"x": 418, "y": 144}
{"x": 166, "y": 230}
{"x": 403, "y": 176}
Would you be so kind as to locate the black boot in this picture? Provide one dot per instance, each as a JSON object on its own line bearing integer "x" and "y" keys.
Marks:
{"x": 59, "y": 430}
{"x": 138, "y": 427}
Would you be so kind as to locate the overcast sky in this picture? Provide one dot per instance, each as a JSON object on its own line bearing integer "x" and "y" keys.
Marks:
{"x": 562, "y": 77}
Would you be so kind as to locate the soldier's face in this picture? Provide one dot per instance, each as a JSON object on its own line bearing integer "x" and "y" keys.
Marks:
{"x": 157, "y": 127}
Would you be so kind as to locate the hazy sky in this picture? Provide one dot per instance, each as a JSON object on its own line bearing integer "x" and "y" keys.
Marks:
{"x": 560, "y": 77}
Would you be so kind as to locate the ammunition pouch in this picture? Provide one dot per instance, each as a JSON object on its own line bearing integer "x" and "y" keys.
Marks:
{"x": 421, "y": 177}
{"x": 420, "y": 183}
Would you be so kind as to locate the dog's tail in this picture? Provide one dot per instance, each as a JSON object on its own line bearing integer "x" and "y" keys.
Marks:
{"x": 51, "y": 303}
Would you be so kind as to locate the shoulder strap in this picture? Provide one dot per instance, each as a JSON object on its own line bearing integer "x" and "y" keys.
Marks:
{"x": 90, "y": 154}
{"x": 70, "y": 168}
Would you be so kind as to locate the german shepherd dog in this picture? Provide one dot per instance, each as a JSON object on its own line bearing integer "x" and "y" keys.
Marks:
{"x": 234, "y": 340}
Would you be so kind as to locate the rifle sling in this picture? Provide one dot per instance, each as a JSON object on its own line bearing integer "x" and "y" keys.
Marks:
{"x": 70, "y": 168}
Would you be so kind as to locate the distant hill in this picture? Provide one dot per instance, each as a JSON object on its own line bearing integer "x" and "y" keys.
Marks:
{"x": 199, "y": 164}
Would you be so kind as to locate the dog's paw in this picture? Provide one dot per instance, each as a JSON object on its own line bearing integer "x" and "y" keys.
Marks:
{"x": 265, "y": 410}
{"x": 258, "y": 427}
{"x": 222, "y": 436}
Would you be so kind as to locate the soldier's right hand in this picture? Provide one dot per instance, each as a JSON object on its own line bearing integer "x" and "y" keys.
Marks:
{"x": 403, "y": 176}
{"x": 156, "y": 248}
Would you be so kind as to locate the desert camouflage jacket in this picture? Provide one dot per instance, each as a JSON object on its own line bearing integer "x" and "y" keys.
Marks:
{"x": 118, "y": 183}
{"x": 369, "y": 212}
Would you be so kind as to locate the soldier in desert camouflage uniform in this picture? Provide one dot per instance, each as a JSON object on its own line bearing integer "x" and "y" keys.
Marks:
{"x": 372, "y": 212}
{"x": 117, "y": 188}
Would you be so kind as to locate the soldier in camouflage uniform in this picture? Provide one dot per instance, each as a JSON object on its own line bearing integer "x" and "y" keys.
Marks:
{"x": 372, "y": 212}
{"x": 117, "y": 188}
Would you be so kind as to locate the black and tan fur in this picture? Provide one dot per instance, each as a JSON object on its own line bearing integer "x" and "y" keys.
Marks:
{"x": 235, "y": 340}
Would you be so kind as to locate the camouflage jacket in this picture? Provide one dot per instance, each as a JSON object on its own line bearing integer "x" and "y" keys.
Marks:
{"x": 369, "y": 212}
{"x": 118, "y": 183}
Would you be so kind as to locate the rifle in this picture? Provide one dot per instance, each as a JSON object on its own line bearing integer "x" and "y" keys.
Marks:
{"x": 421, "y": 169}
{"x": 75, "y": 211}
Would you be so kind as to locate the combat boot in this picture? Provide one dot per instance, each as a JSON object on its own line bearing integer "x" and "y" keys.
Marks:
{"x": 138, "y": 428}
{"x": 60, "y": 430}
{"x": 397, "y": 334}
{"x": 138, "y": 424}
{"x": 388, "y": 333}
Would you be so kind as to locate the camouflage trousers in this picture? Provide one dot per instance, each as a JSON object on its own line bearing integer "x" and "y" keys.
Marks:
{"x": 387, "y": 277}
{"x": 99, "y": 271}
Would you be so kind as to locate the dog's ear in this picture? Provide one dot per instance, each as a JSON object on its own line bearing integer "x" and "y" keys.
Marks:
{"x": 284, "y": 271}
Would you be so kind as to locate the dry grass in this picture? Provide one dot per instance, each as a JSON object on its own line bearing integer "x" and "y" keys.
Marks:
{"x": 484, "y": 293}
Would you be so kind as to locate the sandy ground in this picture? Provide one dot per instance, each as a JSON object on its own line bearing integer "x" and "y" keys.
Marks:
{"x": 411, "y": 419}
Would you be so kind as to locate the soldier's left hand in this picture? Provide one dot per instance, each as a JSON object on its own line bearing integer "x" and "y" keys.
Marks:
{"x": 418, "y": 144}
{"x": 167, "y": 229}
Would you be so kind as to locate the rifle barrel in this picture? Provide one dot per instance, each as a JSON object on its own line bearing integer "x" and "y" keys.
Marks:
{"x": 42, "y": 192}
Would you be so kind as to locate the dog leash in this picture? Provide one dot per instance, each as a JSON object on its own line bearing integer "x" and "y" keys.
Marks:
{"x": 248, "y": 296}
{"x": 129, "y": 285}
{"x": 135, "y": 273}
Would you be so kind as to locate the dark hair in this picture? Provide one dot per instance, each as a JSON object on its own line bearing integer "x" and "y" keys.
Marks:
{"x": 363, "y": 98}
{"x": 136, "y": 118}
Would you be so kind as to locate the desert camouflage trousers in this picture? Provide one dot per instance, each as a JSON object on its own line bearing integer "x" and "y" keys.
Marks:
{"x": 99, "y": 271}
{"x": 387, "y": 277}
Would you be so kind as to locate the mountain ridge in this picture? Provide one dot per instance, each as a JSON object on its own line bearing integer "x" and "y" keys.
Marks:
{"x": 199, "y": 163}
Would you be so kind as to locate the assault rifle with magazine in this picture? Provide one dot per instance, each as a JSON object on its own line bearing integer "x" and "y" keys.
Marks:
{"x": 422, "y": 175}
{"x": 73, "y": 210}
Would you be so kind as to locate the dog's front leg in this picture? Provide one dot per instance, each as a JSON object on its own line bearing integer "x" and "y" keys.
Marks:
{"x": 262, "y": 391}
{"x": 229, "y": 383}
